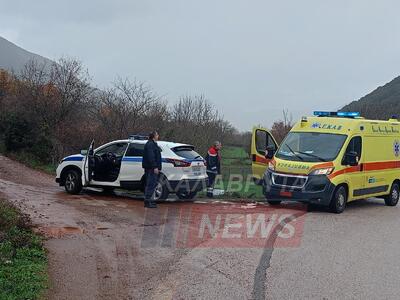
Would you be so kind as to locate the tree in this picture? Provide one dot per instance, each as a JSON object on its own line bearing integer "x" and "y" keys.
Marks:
{"x": 281, "y": 128}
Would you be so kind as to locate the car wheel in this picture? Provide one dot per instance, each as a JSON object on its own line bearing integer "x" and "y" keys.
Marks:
{"x": 339, "y": 200}
{"x": 186, "y": 195}
{"x": 274, "y": 202}
{"x": 161, "y": 191}
{"x": 393, "y": 198}
{"x": 73, "y": 182}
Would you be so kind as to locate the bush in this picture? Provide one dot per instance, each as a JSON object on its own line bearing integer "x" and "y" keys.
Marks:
{"x": 23, "y": 260}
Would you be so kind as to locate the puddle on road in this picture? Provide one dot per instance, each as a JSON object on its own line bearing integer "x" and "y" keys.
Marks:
{"x": 59, "y": 232}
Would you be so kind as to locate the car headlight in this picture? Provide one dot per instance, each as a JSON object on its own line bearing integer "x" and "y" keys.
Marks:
{"x": 271, "y": 166}
{"x": 322, "y": 171}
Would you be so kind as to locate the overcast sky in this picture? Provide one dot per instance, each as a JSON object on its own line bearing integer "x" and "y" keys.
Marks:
{"x": 250, "y": 58}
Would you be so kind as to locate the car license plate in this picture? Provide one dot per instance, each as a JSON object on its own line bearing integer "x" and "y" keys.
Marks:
{"x": 285, "y": 194}
{"x": 196, "y": 169}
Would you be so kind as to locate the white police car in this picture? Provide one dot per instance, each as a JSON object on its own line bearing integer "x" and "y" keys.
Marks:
{"x": 118, "y": 164}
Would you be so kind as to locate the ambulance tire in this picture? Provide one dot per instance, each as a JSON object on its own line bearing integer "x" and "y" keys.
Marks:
{"x": 274, "y": 202}
{"x": 393, "y": 198}
{"x": 73, "y": 182}
{"x": 339, "y": 200}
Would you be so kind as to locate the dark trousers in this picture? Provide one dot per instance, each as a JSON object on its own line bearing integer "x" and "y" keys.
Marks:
{"x": 210, "y": 184}
{"x": 151, "y": 184}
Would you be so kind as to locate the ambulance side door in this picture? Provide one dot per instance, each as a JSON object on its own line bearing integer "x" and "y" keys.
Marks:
{"x": 261, "y": 140}
{"x": 355, "y": 174}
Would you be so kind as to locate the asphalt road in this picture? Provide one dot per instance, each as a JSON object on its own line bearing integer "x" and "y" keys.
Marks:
{"x": 110, "y": 247}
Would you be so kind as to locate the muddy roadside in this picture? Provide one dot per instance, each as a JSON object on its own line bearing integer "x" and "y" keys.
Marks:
{"x": 94, "y": 246}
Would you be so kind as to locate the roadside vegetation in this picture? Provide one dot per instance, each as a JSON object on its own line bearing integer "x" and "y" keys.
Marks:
{"x": 237, "y": 174}
{"x": 50, "y": 111}
{"x": 23, "y": 262}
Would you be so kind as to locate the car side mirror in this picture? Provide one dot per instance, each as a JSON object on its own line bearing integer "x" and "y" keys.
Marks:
{"x": 351, "y": 158}
{"x": 84, "y": 152}
{"x": 270, "y": 152}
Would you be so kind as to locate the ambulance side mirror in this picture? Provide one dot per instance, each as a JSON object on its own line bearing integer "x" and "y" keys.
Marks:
{"x": 351, "y": 158}
{"x": 270, "y": 152}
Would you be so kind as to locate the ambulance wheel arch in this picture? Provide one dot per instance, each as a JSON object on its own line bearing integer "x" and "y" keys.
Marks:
{"x": 339, "y": 199}
{"x": 393, "y": 197}
{"x": 261, "y": 139}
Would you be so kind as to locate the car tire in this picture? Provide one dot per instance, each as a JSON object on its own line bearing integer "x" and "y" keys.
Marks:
{"x": 339, "y": 200}
{"x": 186, "y": 195}
{"x": 161, "y": 192}
{"x": 274, "y": 202}
{"x": 393, "y": 198}
{"x": 73, "y": 182}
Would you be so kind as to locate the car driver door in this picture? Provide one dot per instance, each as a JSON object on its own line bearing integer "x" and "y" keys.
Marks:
{"x": 261, "y": 140}
{"x": 88, "y": 165}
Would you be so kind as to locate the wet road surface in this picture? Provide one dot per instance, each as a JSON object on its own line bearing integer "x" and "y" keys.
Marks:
{"x": 110, "y": 247}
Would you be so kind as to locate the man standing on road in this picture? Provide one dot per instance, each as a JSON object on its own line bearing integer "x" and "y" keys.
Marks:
{"x": 152, "y": 167}
{"x": 213, "y": 160}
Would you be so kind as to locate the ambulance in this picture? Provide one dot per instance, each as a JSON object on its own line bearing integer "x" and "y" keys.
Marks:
{"x": 330, "y": 159}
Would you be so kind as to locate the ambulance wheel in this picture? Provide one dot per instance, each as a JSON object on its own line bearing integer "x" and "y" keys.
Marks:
{"x": 274, "y": 202}
{"x": 339, "y": 200}
{"x": 161, "y": 192}
{"x": 186, "y": 195}
{"x": 393, "y": 198}
{"x": 73, "y": 182}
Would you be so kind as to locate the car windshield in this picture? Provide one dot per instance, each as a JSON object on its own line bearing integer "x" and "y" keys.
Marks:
{"x": 311, "y": 146}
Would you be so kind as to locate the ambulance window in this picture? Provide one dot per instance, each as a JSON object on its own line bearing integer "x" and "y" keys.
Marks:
{"x": 355, "y": 145}
{"x": 263, "y": 140}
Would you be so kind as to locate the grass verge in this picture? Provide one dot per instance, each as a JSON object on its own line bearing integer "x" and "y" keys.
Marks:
{"x": 236, "y": 178}
{"x": 23, "y": 261}
{"x": 31, "y": 161}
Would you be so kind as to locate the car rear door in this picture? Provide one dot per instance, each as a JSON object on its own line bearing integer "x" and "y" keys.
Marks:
{"x": 260, "y": 140}
{"x": 131, "y": 166}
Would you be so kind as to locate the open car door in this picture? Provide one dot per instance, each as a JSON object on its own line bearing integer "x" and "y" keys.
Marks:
{"x": 261, "y": 140}
{"x": 88, "y": 165}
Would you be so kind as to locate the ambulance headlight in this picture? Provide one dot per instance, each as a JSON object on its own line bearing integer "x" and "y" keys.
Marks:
{"x": 322, "y": 171}
{"x": 271, "y": 166}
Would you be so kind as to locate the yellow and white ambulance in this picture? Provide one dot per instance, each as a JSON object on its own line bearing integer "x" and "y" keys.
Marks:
{"x": 330, "y": 159}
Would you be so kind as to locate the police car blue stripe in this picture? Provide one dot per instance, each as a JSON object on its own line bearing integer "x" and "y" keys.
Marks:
{"x": 134, "y": 159}
{"x": 73, "y": 158}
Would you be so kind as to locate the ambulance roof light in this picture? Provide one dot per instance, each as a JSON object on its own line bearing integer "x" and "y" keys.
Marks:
{"x": 345, "y": 114}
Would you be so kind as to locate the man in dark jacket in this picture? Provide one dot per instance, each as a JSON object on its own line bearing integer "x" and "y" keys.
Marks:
{"x": 152, "y": 167}
{"x": 213, "y": 160}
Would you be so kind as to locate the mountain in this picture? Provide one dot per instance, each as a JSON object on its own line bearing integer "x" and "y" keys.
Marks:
{"x": 381, "y": 103}
{"x": 14, "y": 58}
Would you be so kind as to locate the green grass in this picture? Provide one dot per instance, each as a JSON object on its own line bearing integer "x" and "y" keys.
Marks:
{"x": 23, "y": 261}
{"x": 32, "y": 162}
{"x": 237, "y": 174}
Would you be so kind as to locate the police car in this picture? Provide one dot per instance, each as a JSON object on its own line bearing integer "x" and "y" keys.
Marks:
{"x": 118, "y": 164}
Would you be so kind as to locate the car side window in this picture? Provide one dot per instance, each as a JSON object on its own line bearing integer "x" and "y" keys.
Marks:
{"x": 118, "y": 149}
{"x": 135, "y": 150}
{"x": 355, "y": 145}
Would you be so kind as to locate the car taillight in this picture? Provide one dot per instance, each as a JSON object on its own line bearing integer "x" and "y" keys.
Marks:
{"x": 178, "y": 163}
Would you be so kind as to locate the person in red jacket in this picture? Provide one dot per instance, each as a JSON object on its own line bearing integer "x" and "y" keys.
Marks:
{"x": 213, "y": 160}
